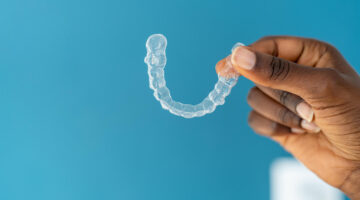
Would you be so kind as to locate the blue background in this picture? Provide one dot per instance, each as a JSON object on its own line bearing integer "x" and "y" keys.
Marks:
{"x": 78, "y": 121}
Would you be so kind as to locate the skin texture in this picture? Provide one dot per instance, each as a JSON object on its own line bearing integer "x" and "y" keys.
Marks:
{"x": 289, "y": 71}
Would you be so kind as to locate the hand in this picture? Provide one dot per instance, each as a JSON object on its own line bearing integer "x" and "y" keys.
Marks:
{"x": 307, "y": 99}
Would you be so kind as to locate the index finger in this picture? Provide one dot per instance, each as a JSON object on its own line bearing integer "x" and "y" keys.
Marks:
{"x": 300, "y": 50}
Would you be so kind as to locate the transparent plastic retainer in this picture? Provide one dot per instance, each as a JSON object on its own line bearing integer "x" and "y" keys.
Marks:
{"x": 156, "y": 61}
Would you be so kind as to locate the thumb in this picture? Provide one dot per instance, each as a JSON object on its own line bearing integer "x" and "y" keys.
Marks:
{"x": 277, "y": 73}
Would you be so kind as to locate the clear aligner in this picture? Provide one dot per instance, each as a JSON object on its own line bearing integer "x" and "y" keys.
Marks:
{"x": 156, "y": 61}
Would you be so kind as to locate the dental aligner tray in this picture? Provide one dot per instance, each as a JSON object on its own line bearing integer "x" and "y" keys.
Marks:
{"x": 156, "y": 61}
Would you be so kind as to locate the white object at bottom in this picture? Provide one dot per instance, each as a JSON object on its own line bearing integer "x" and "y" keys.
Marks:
{"x": 290, "y": 180}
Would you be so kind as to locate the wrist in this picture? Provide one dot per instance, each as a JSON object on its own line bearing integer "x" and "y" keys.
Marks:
{"x": 351, "y": 186}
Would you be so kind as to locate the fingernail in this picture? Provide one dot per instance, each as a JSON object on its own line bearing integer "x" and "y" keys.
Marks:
{"x": 310, "y": 126}
{"x": 305, "y": 111}
{"x": 243, "y": 58}
{"x": 297, "y": 130}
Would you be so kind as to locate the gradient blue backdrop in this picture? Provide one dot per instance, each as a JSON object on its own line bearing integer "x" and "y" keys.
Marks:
{"x": 78, "y": 121}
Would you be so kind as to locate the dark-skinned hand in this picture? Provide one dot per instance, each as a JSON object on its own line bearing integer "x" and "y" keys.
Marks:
{"x": 307, "y": 98}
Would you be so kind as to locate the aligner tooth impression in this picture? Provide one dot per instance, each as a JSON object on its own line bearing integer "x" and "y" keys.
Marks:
{"x": 156, "y": 61}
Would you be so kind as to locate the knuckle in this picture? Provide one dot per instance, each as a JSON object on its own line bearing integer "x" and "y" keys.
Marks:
{"x": 287, "y": 117}
{"x": 279, "y": 69}
{"x": 288, "y": 99}
{"x": 283, "y": 97}
{"x": 325, "y": 50}
{"x": 321, "y": 45}
{"x": 328, "y": 46}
